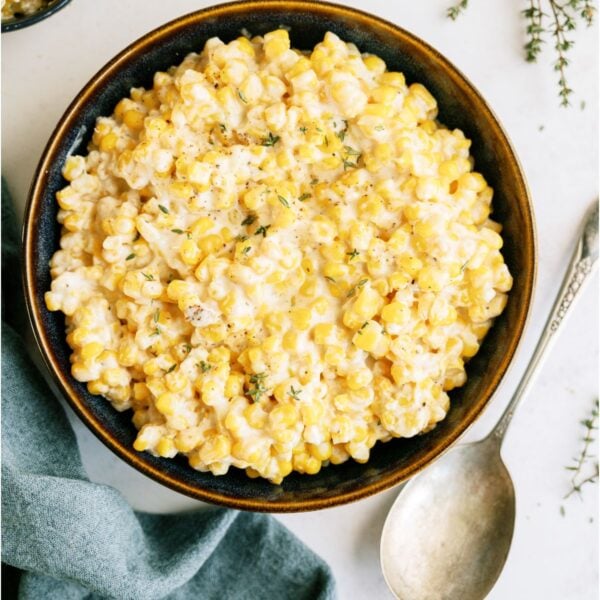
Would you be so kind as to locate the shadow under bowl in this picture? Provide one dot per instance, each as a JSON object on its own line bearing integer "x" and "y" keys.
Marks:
{"x": 460, "y": 106}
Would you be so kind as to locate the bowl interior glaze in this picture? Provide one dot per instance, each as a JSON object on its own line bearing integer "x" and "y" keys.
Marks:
{"x": 460, "y": 106}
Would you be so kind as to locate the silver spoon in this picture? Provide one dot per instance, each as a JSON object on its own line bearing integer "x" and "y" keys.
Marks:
{"x": 448, "y": 533}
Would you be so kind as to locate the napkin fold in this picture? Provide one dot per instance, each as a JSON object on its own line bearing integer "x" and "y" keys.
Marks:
{"x": 76, "y": 539}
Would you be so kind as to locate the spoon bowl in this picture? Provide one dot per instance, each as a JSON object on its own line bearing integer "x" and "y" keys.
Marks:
{"x": 457, "y": 552}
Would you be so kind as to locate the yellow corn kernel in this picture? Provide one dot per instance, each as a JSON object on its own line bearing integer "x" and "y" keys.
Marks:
{"x": 384, "y": 94}
{"x": 74, "y": 167}
{"x": 334, "y": 252}
{"x": 276, "y": 43}
{"x": 176, "y": 381}
{"x": 374, "y": 64}
{"x": 215, "y": 448}
{"x": 210, "y": 243}
{"x": 359, "y": 378}
{"x": 52, "y": 300}
{"x": 377, "y": 110}
{"x": 322, "y": 332}
{"x": 91, "y": 351}
{"x": 140, "y": 391}
{"x": 234, "y": 385}
{"x": 165, "y": 403}
{"x": 275, "y": 321}
{"x": 190, "y": 253}
{"x": 334, "y": 355}
{"x": 177, "y": 288}
{"x": 393, "y": 79}
{"x": 140, "y": 444}
{"x": 290, "y": 341}
{"x": 166, "y": 448}
{"x": 321, "y": 451}
{"x": 187, "y": 440}
{"x": 256, "y": 416}
{"x": 301, "y": 317}
{"x": 181, "y": 189}
{"x": 134, "y": 119}
{"x": 370, "y": 338}
{"x": 431, "y": 279}
{"x": 245, "y": 45}
{"x": 396, "y": 313}
{"x": 284, "y": 219}
{"x": 398, "y": 280}
{"x": 334, "y": 270}
{"x": 411, "y": 264}
{"x": 368, "y": 303}
{"x": 108, "y": 142}
{"x": 283, "y": 415}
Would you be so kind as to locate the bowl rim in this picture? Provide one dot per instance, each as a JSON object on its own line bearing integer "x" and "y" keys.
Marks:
{"x": 22, "y": 22}
{"x": 128, "y": 454}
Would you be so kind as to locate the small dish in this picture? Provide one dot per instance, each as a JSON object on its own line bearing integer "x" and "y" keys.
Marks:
{"x": 40, "y": 15}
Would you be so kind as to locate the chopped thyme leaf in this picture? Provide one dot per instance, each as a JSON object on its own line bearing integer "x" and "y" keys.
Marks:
{"x": 177, "y": 230}
{"x": 249, "y": 220}
{"x": 246, "y": 250}
{"x": 223, "y": 127}
{"x": 283, "y": 201}
{"x": 259, "y": 389}
{"x": 330, "y": 278}
{"x": 262, "y": 230}
{"x": 342, "y": 133}
{"x": 326, "y": 141}
{"x": 241, "y": 238}
{"x": 304, "y": 197}
{"x": 132, "y": 255}
{"x": 155, "y": 332}
{"x": 353, "y": 254}
{"x": 188, "y": 348}
{"x": 351, "y": 151}
{"x": 204, "y": 366}
{"x": 258, "y": 377}
{"x": 353, "y": 290}
{"x": 303, "y": 129}
{"x": 171, "y": 368}
{"x": 148, "y": 276}
{"x": 163, "y": 209}
{"x": 295, "y": 394}
{"x": 362, "y": 327}
{"x": 271, "y": 140}
{"x": 242, "y": 97}
{"x": 349, "y": 164}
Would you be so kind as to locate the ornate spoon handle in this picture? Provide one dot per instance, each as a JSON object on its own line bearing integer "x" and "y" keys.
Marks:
{"x": 583, "y": 261}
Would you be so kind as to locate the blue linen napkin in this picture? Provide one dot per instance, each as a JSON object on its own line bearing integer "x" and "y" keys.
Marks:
{"x": 76, "y": 539}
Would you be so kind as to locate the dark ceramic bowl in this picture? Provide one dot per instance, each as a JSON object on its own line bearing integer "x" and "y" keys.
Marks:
{"x": 460, "y": 105}
{"x": 40, "y": 15}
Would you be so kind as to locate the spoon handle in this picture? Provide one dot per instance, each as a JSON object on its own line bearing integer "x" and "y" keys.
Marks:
{"x": 582, "y": 264}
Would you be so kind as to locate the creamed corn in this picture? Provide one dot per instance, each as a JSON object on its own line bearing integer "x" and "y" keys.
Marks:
{"x": 276, "y": 258}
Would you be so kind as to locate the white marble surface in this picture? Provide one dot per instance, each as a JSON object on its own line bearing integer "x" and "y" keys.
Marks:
{"x": 553, "y": 556}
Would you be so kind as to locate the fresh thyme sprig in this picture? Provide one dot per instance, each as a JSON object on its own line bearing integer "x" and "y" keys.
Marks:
{"x": 578, "y": 479}
{"x": 556, "y": 19}
{"x": 533, "y": 15}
